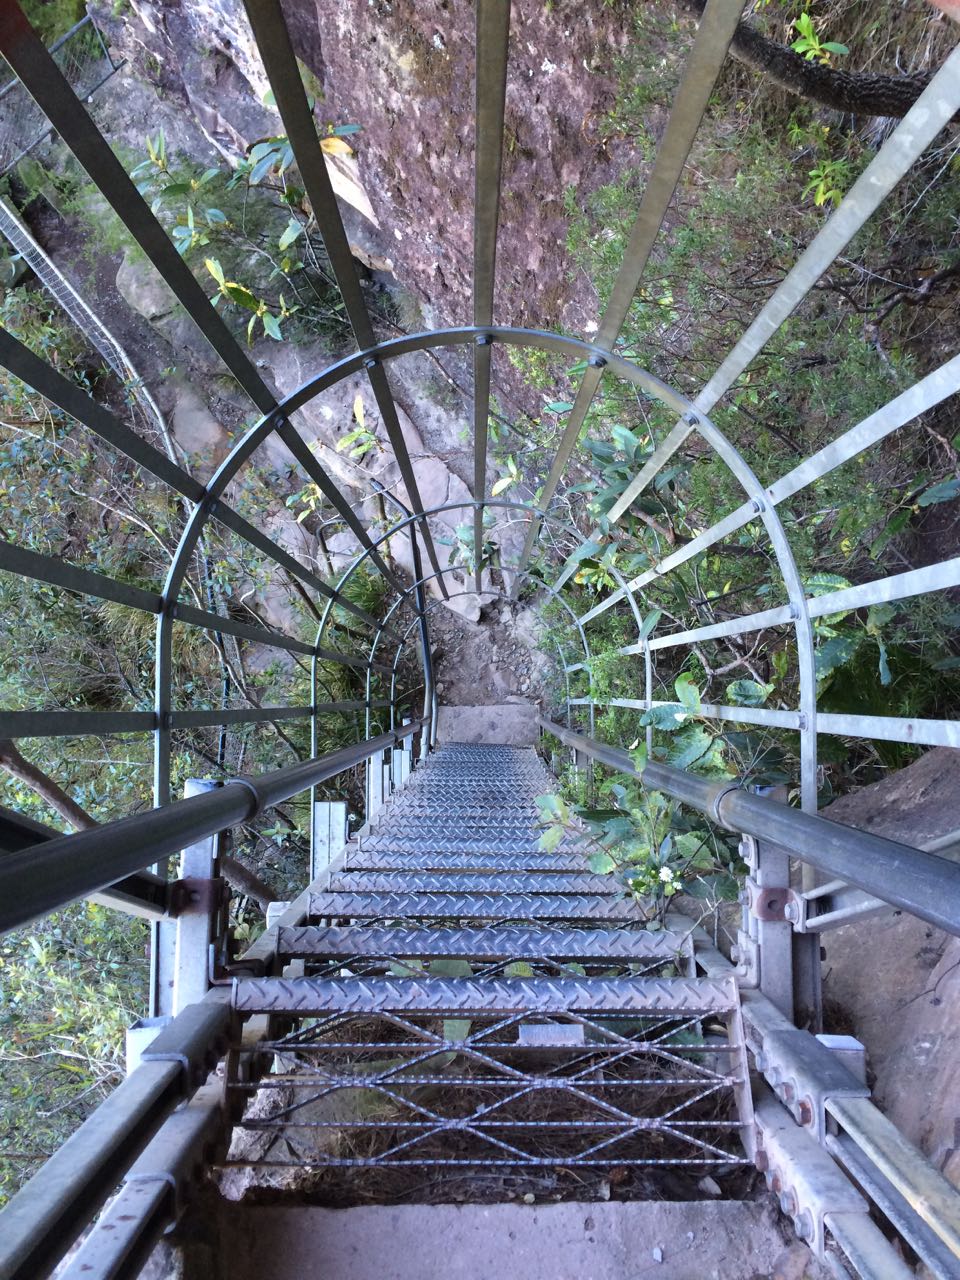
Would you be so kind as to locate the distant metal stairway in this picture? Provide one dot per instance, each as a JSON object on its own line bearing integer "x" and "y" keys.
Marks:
{"x": 468, "y": 1000}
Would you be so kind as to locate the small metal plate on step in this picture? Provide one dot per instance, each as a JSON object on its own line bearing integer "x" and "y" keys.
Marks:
{"x": 551, "y": 1035}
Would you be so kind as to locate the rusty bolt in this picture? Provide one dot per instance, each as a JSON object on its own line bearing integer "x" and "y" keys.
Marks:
{"x": 761, "y": 1160}
{"x": 805, "y": 1112}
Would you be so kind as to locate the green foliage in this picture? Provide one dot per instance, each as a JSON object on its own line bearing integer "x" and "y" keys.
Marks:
{"x": 53, "y": 18}
{"x": 809, "y": 44}
{"x": 69, "y": 987}
{"x": 645, "y": 841}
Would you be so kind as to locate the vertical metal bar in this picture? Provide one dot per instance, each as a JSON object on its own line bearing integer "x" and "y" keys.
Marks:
{"x": 273, "y": 41}
{"x": 775, "y": 937}
{"x": 493, "y": 33}
{"x": 330, "y": 833}
{"x": 194, "y": 927}
{"x": 714, "y": 34}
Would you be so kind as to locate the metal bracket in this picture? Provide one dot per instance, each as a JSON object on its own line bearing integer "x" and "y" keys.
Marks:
{"x": 797, "y": 1169}
{"x": 196, "y": 1038}
{"x": 746, "y": 955}
{"x": 196, "y": 896}
{"x": 773, "y": 903}
{"x": 805, "y": 1074}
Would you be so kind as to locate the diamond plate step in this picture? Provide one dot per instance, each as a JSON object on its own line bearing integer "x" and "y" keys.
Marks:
{"x": 445, "y": 906}
{"x": 460, "y": 844}
{"x": 472, "y": 882}
{"x": 483, "y": 944}
{"x": 637, "y": 996}
{"x": 477, "y": 827}
{"x": 430, "y": 860}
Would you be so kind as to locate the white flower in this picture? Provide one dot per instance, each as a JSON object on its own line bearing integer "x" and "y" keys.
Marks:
{"x": 666, "y": 874}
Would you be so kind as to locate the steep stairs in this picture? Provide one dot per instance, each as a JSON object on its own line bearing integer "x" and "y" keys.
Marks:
{"x": 467, "y": 1018}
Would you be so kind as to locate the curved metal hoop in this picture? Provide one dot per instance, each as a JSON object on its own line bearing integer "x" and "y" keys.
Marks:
{"x": 598, "y": 358}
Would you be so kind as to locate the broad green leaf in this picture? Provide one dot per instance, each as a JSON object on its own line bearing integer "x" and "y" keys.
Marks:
{"x": 456, "y": 1029}
{"x": 687, "y": 692}
{"x": 668, "y": 717}
{"x": 502, "y": 485}
{"x": 550, "y": 838}
{"x": 271, "y": 326}
{"x": 834, "y": 653}
{"x": 748, "y": 693}
{"x": 558, "y": 406}
{"x": 945, "y": 491}
{"x": 451, "y": 967}
{"x": 293, "y": 229}
{"x": 689, "y": 746}
{"x": 821, "y": 584}
{"x": 601, "y": 864}
{"x": 213, "y": 266}
{"x": 241, "y": 296}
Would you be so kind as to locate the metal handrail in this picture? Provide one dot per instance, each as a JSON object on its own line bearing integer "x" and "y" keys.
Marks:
{"x": 42, "y": 879}
{"x": 900, "y": 875}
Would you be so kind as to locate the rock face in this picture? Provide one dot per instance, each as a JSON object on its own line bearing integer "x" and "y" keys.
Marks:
{"x": 404, "y": 71}
{"x": 897, "y": 979}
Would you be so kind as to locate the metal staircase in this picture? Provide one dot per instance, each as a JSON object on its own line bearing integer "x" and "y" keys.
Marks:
{"x": 444, "y": 996}
{"x": 467, "y": 1000}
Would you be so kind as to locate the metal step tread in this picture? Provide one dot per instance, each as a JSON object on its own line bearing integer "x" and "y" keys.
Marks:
{"x": 494, "y": 906}
{"x": 473, "y": 882}
{"x": 458, "y": 844}
{"x": 476, "y": 827}
{"x": 483, "y": 944}
{"x": 436, "y": 995}
{"x": 430, "y": 860}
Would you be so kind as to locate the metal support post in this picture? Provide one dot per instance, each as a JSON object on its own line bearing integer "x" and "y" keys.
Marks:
{"x": 195, "y": 926}
{"x": 401, "y": 762}
{"x": 376, "y": 765}
{"x": 330, "y": 833}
